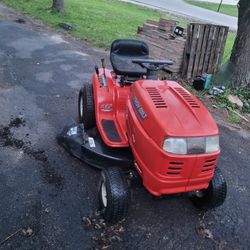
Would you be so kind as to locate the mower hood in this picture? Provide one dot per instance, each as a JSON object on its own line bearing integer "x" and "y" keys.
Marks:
{"x": 166, "y": 109}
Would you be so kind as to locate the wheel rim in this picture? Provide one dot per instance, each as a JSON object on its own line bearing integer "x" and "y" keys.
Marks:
{"x": 81, "y": 107}
{"x": 199, "y": 193}
{"x": 104, "y": 195}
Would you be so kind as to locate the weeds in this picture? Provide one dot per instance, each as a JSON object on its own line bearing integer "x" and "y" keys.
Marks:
{"x": 243, "y": 94}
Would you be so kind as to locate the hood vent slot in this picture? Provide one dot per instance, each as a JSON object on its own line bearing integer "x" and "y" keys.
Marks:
{"x": 187, "y": 97}
{"x": 175, "y": 168}
{"x": 156, "y": 98}
{"x": 209, "y": 166}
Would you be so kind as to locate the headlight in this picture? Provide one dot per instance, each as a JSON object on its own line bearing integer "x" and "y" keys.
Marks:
{"x": 212, "y": 144}
{"x": 195, "y": 145}
{"x": 175, "y": 146}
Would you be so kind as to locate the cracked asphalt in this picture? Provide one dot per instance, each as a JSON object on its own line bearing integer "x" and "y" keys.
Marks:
{"x": 45, "y": 189}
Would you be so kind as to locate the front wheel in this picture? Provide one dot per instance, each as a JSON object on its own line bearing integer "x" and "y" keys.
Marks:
{"x": 86, "y": 108}
{"x": 113, "y": 195}
{"x": 214, "y": 195}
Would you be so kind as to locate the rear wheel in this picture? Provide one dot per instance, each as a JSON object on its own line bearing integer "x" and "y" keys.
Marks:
{"x": 214, "y": 195}
{"x": 86, "y": 109}
{"x": 113, "y": 195}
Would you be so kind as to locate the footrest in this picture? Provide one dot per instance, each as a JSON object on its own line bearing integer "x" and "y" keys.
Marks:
{"x": 110, "y": 130}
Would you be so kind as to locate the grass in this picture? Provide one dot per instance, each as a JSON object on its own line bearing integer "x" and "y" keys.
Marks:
{"x": 223, "y": 102}
{"x": 229, "y": 46}
{"x": 233, "y": 118}
{"x": 99, "y": 21}
{"x": 227, "y": 9}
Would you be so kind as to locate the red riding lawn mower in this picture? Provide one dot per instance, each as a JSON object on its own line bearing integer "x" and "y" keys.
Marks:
{"x": 134, "y": 126}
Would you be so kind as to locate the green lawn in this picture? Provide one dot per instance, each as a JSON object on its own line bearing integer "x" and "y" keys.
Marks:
{"x": 229, "y": 46}
{"x": 97, "y": 21}
{"x": 225, "y": 8}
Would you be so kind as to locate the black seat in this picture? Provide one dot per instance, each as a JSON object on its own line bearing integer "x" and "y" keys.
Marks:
{"x": 123, "y": 51}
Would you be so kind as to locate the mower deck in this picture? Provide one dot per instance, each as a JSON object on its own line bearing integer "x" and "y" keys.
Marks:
{"x": 89, "y": 148}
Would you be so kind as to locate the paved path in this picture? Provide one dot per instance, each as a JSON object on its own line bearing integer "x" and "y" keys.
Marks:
{"x": 179, "y": 7}
{"x": 45, "y": 189}
{"x": 231, "y": 2}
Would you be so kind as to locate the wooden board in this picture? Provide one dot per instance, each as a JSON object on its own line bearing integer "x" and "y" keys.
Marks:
{"x": 199, "y": 51}
{"x": 204, "y": 49}
{"x": 162, "y": 43}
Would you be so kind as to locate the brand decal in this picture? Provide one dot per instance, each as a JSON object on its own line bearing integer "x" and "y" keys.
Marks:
{"x": 91, "y": 142}
{"x": 106, "y": 107}
{"x": 139, "y": 108}
{"x": 72, "y": 131}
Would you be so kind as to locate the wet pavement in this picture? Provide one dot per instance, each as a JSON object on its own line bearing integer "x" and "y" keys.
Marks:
{"x": 45, "y": 193}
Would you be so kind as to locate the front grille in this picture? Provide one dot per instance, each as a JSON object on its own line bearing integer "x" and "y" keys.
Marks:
{"x": 156, "y": 97}
{"x": 190, "y": 100}
{"x": 175, "y": 168}
{"x": 208, "y": 166}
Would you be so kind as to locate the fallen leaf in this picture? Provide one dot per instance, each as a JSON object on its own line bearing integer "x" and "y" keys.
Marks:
{"x": 205, "y": 233}
{"x": 208, "y": 234}
{"x": 27, "y": 232}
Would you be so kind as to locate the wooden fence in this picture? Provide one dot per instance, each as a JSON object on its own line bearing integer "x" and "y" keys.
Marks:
{"x": 204, "y": 49}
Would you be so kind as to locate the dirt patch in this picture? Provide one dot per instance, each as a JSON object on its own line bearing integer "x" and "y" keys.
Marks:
{"x": 105, "y": 235}
{"x": 6, "y": 136}
{"x": 17, "y": 122}
{"x": 51, "y": 176}
{"x": 7, "y": 139}
{"x": 39, "y": 154}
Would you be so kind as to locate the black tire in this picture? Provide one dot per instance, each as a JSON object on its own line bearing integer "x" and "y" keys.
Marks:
{"x": 86, "y": 108}
{"x": 214, "y": 195}
{"x": 115, "y": 207}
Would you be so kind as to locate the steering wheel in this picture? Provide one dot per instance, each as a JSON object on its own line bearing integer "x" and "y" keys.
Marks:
{"x": 152, "y": 64}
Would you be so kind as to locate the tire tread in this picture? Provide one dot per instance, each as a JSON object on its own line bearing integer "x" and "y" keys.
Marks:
{"x": 215, "y": 194}
{"x": 88, "y": 119}
{"x": 117, "y": 194}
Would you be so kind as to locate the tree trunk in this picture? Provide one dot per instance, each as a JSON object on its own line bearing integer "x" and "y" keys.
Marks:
{"x": 240, "y": 57}
{"x": 58, "y": 5}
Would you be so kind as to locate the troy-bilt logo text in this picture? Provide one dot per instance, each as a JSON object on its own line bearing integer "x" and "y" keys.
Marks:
{"x": 139, "y": 108}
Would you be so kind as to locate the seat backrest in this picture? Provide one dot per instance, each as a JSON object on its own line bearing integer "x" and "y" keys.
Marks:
{"x": 123, "y": 51}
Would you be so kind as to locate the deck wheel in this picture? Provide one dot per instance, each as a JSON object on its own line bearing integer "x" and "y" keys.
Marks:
{"x": 113, "y": 194}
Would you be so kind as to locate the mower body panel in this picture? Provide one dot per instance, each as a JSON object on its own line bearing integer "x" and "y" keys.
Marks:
{"x": 158, "y": 110}
{"x": 110, "y": 109}
{"x": 171, "y": 109}
{"x": 165, "y": 173}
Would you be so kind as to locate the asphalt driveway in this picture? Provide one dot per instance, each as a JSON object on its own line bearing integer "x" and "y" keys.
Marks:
{"x": 45, "y": 193}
